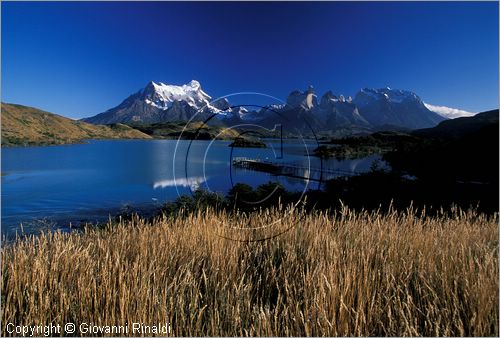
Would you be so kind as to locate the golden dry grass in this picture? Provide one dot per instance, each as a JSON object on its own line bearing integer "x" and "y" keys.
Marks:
{"x": 343, "y": 274}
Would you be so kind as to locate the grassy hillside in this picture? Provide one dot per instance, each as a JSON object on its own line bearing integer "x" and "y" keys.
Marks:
{"x": 23, "y": 126}
{"x": 344, "y": 274}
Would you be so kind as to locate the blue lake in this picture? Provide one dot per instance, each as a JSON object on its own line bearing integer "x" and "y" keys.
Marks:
{"x": 59, "y": 185}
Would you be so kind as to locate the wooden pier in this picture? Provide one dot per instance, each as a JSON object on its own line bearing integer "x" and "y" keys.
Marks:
{"x": 293, "y": 170}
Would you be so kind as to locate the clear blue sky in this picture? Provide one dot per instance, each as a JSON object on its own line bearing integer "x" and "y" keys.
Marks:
{"x": 80, "y": 59}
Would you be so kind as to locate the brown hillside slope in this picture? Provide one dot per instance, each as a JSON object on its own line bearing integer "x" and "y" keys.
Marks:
{"x": 23, "y": 126}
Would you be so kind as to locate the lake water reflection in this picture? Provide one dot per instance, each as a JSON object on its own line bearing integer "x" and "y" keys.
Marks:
{"x": 87, "y": 182}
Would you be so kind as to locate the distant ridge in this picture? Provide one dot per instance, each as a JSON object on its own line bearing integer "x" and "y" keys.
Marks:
{"x": 460, "y": 150}
{"x": 158, "y": 102}
{"x": 462, "y": 126}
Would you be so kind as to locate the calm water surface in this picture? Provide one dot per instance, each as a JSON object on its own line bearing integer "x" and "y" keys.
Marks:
{"x": 88, "y": 182}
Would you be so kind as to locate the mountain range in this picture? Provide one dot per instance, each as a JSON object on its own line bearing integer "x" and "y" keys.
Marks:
{"x": 370, "y": 109}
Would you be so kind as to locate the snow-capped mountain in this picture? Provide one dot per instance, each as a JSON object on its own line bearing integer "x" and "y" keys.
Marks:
{"x": 303, "y": 112}
{"x": 163, "y": 96}
{"x": 338, "y": 112}
{"x": 159, "y": 102}
{"x": 395, "y": 107}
